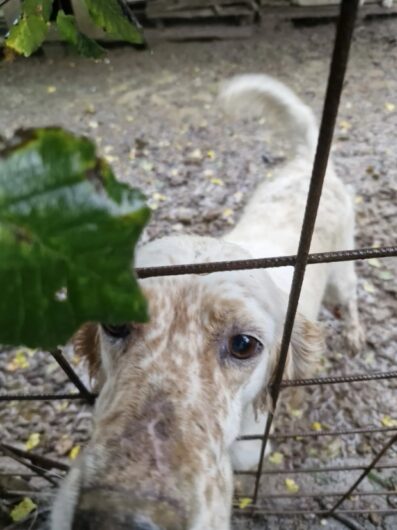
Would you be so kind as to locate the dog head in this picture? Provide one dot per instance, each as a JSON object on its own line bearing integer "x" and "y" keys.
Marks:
{"x": 172, "y": 391}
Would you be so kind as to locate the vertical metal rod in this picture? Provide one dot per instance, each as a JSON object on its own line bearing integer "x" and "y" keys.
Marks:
{"x": 73, "y": 377}
{"x": 392, "y": 441}
{"x": 344, "y": 32}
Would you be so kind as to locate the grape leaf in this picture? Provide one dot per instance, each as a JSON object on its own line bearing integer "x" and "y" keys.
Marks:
{"x": 41, "y": 8}
{"x": 109, "y": 15}
{"x": 27, "y": 35}
{"x": 67, "y": 234}
{"x": 84, "y": 45}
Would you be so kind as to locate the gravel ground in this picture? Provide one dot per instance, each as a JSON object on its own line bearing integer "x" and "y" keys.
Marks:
{"x": 154, "y": 116}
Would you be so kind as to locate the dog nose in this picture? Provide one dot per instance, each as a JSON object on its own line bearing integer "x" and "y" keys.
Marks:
{"x": 104, "y": 509}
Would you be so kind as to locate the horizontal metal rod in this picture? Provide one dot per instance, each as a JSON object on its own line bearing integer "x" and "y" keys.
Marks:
{"x": 296, "y": 471}
{"x": 354, "y": 378}
{"x": 27, "y": 493}
{"x": 36, "y": 396}
{"x": 316, "y": 434}
{"x": 250, "y": 510}
{"x": 17, "y": 474}
{"x": 323, "y": 495}
{"x": 264, "y": 263}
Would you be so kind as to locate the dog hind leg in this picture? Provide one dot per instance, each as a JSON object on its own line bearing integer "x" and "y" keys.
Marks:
{"x": 342, "y": 288}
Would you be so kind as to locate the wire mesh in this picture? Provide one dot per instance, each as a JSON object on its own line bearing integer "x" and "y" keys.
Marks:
{"x": 45, "y": 467}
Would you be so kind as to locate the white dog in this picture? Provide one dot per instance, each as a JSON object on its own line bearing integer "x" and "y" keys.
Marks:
{"x": 177, "y": 392}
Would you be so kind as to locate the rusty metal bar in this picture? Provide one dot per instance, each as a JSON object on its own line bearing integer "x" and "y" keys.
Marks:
{"x": 42, "y": 461}
{"x": 40, "y": 397}
{"x": 330, "y": 469}
{"x": 326, "y": 494}
{"x": 16, "y": 474}
{"x": 392, "y": 441}
{"x": 26, "y": 493}
{"x": 354, "y": 378}
{"x": 316, "y": 434}
{"x": 42, "y": 472}
{"x": 264, "y": 263}
{"x": 250, "y": 510}
{"x": 73, "y": 377}
{"x": 344, "y": 32}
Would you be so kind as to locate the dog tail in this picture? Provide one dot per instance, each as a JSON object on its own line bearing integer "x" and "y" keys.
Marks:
{"x": 254, "y": 95}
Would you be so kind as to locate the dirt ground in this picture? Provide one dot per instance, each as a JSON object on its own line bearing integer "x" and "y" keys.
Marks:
{"x": 154, "y": 116}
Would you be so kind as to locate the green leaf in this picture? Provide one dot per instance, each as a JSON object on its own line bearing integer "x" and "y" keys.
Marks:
{"x": 27, "y": 35}
{"x": 84, "y": 45}
{"x": 108, "y": 15}
{"x": 67, "y": 234}
{"x": 40, "y": 8}
{"x": 29, "y": 32}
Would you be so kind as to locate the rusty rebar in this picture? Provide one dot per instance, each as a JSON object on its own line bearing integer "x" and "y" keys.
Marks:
{"x": 316, "y": 434}
{"x": 344, "y": 32}
{"x": 329, "y": 469}
{"x": 260, "y": 510}
{"x": 325, "y": 494}
{"x": 42, "y": 472}
{"x": 73, "y": 377}
{"x": 264, "y": 263}
{"x": 333, "y": 380}
{"x": 37, "y": 396}
{"x": 392, "y": 441}
{"x": 354, "y": 378}
{"x": 39, "y": 460}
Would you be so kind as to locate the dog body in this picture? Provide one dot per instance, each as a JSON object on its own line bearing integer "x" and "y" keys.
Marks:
{"x": 176, "y": 393}
{"x": 271, "y": 221}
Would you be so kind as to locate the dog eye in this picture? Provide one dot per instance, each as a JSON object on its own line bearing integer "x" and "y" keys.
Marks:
{"x": 120, "y": 331}
{"x": 244, "y": 346}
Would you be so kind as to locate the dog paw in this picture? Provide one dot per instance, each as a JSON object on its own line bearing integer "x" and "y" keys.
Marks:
{"x": 355, "y": 337}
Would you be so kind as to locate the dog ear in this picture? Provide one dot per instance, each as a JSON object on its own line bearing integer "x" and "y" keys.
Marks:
{"x": 306, "y": 347}
{"x": 86, "y": 345}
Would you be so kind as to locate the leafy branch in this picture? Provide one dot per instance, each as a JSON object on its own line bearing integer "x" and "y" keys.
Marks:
{"x": 30, "y": 30}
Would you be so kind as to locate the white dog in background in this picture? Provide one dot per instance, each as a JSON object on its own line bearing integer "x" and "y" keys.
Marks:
{"x": 177, "y": 392}
{"x": 276, "y": 209}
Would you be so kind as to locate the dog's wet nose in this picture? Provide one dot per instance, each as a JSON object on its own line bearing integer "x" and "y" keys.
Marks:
{"x": 103, "y": 509}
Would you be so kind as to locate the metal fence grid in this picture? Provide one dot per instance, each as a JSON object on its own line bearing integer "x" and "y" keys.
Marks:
{"x": 44, "y": 467}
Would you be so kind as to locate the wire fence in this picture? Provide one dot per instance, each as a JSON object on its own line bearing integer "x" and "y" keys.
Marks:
{"x": 45, "y": 467}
